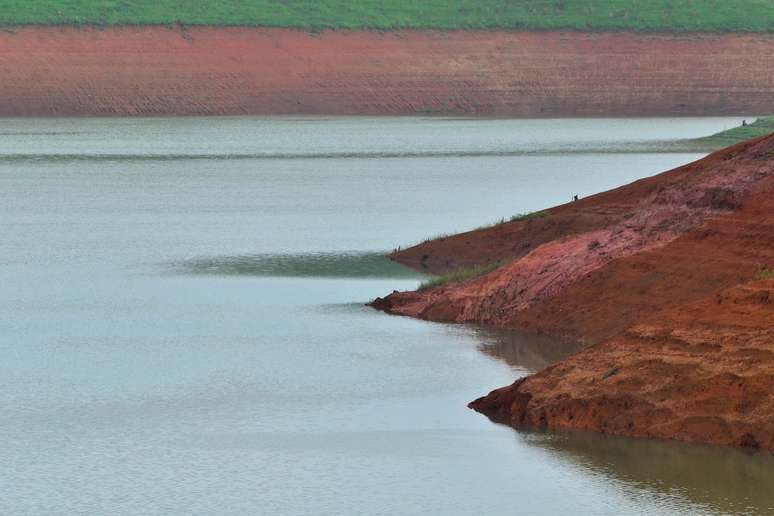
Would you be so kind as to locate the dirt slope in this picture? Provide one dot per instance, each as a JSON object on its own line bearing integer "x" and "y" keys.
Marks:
{"x": 230, "y": 71}
{"x": 662, "y": 286}
{"x": 700, "y": 372}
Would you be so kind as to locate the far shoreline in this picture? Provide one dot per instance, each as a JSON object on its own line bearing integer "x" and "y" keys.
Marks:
{"x": 144, "y": 70}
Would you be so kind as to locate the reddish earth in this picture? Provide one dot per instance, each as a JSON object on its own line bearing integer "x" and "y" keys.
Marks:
{"x": 660, "y": 279}
{"x": 231, "y": 71}
{"x": 700, "y": 372}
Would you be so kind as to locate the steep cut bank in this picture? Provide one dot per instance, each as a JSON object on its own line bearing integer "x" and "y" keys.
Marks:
{"x": 66, "y": 71}
{"x": 667, "y": 281}
{"x": 701, "y": 372}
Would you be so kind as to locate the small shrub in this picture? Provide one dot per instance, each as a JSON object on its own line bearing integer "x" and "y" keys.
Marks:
{"x": 442, "y": 236}
{"x": 766, "y": 273}
{"x": 531, "y": 215}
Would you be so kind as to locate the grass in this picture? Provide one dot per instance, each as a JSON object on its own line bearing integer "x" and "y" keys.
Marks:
{"x": 760, "y": 127}
{"x": 440, "y": 236}
{"x": 531, "y": 215}
{"x": 585, "y": 15}
{"x": 459, "y": 275}
{"x": 514, "y": 218}
{"x": 766, "y": 274}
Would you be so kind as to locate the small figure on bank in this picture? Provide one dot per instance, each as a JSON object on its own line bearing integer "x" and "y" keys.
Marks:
{"x": 574, "y": 198}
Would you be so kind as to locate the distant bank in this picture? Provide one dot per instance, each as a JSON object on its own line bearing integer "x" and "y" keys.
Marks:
{"x": 200, "y": 70}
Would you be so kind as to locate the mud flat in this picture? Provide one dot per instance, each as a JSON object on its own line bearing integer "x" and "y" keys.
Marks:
{"x": 152, "y": 70}
{"x": 667, "y": 282}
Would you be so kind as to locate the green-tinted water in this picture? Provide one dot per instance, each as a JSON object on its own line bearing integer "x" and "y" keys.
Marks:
{"x": 183, "y": 331}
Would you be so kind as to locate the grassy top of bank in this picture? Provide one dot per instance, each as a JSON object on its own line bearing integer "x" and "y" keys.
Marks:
{"x": 760, "y": 127}
{"x": 584, "y": 15}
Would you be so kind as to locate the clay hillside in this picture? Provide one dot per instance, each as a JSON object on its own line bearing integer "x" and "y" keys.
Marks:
{"x": 488, "y": 57}
{"x": 668, "y": 282}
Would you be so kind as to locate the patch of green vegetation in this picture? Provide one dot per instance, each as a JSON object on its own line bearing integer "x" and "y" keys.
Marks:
{"x": 491, "y": 225}
{"x": 585, "y": 15}
{"x": 531, "y": 215}
{"x": 761, "y": 127}
{"x": 515, "y": 218}
{"x": 441, "y": 236}
{"x": 459, "y": 275}
{"x": 766, "y": 274}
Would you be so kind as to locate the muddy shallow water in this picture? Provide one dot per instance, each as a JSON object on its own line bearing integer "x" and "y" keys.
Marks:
{"x": 183, "y": 331}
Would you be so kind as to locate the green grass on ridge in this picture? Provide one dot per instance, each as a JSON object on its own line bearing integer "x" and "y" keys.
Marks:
{"x": 760, "y": 127}
{"x": 591, "y": 15}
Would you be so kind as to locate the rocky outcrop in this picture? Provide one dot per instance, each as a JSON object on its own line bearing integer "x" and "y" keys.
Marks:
{"x": 701, "y": 372}
{"x": 240, "y": 70}
{"x": 666, "y": 291}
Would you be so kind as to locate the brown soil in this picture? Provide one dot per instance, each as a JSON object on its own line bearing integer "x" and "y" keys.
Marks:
{"x": 700, "y": 372}
{"x": 659, "y": 278}
{"x": 228, "y": 71}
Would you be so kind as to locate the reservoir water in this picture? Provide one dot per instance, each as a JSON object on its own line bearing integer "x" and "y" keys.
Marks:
{"x": 183, "y": 329}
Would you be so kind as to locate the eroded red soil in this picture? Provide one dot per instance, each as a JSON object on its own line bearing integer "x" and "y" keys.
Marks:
{"x": 231, "y": 71}
{"x": 701, "y": 372}
{"x": 659, "y": 278}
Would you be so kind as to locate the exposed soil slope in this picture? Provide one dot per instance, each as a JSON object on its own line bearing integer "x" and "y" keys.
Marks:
{"x": 662, "y": 283}
{"x": 701, "y": 372}
{"x": 239, "y": 70}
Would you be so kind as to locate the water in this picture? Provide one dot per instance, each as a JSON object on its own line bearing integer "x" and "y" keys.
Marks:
{"x": 183, "y": 331}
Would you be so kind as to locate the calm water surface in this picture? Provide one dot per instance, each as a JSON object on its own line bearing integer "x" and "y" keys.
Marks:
{"x": 183, "y": 332}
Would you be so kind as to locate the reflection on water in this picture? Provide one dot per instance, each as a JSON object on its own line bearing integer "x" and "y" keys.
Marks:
{"x": 320, "y": 265}
{"x": 718, "y": 480}
{"x": 724, "y": 480}
{"x": 524, "y": 351}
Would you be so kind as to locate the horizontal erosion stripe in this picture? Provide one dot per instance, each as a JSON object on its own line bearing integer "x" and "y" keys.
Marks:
{"x": 127, "y": 71}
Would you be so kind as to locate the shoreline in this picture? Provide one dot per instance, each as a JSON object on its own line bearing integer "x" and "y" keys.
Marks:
{"x": 666, "y": 281}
